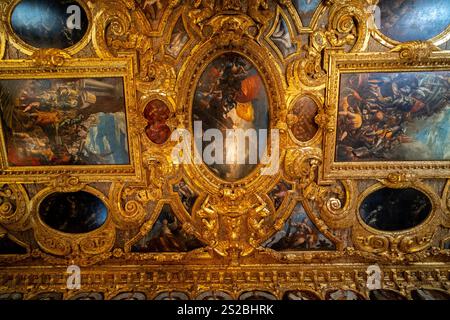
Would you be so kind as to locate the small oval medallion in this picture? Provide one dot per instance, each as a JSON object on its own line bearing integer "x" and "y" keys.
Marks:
{"x": 301, "y": 119}
{"x": 49, "y": 23}
{"x": 395, "y": 209}
{"x": 73, "y": 212}
{"x": 157, "y": 113}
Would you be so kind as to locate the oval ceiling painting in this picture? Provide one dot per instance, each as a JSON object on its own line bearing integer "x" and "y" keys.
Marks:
{"x": 231, "y": 116}
{"x": 409, "y": 20}
{"x": 73, "y": 212}
{"x": 49, "y": 23}
{"x": 395, "y": 209}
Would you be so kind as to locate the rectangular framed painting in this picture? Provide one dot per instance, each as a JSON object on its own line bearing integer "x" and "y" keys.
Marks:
{"x": 74, "y": 121}
{"x": 387, "y": 115}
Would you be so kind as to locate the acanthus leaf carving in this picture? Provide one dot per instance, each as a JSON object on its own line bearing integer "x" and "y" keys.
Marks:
{"x": 415, "y": 50}
{"x": 394, "y": 248}
{"x": 49, "y": 58}
{"x": 347, "y": 30}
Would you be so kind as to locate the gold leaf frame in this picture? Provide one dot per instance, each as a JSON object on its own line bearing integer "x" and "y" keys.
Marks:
{"x": 410, "y": 240}
{"x": 58, "y": 243}
{"x": 409, "y": 259}
{"x": 189, "y": 77}
{"x": 29, "y": 49}
{"x": 77, "y": 68}
{"x": 340, "y": 63}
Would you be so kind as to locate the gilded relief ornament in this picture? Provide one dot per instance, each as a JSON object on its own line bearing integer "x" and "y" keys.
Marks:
{"x": 14, "y": 207}
{"x": 228, "y": 223}
{"x": 415, "y": 51}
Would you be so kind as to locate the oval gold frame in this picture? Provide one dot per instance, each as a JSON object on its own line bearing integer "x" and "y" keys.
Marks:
{"x": 437, "y": 40}
{"x": 318, "y": 135}
{"x": 204, "y": 178}
{"x": 42, "y": 231}
{"x": 28, "y": 49}
{"x": 434, "y": 200}
{"x": 142, "y": 104}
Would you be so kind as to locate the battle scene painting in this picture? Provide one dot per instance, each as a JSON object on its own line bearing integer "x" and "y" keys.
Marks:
{"x": 410, "y": 20}
{"x": 167, "y": 235}
{"x": 394, "y": 117}
{"x": 49, "y": 23}
{"x": 299, "y": 234}
{"x": 395, "y": 209}
{"x": 53, "y": 122}
{"x": 231, "y": 95}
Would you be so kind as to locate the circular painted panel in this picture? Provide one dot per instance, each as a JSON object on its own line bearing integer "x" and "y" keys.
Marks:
{"x": 231, "y": 116}
{"x": 301, "y": 119}
{"x": 49, "y": 23}
{"x": 73, "y": 212}
{"x": 395, "y": 209}
{"x": 409, "y": 20}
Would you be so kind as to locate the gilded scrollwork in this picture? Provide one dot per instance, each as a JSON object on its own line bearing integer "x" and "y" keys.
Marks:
{"x": 250, "y": 18}
{"x": 60, "y": 243}
{"x": 49, "y": 58}
{"x": 232, "y": 220}
{"x": 14, "y": 207}
{"x": 335, "y": 201}
{"x": 393, "y": 247}
{"x": 2, "y": 37}
{"x": 112, "y": 14}
{"x": 398, "y": 244}
{"x": 346, "y": 30}
{"x": 446, "y": 204}
{"x": 130, "y": 203}
{"x": 415, "y": 50}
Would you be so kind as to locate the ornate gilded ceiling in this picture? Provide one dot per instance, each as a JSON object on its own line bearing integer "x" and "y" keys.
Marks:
{"x": 111, "y": 116}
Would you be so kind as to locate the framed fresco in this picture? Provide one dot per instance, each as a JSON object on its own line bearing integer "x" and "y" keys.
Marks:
{"x": 72, "y": 122}
{"x": 387, "y": 115}
{"x": 41, "y": 24}
{"x": 412, "y": 20}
